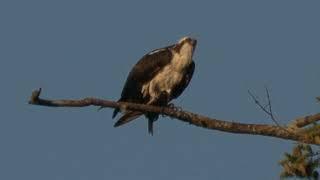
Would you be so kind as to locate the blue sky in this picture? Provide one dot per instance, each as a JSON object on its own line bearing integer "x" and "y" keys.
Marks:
{"x": 75, "y": 49}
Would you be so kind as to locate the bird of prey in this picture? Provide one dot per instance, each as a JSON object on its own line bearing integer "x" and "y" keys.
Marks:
{"x": 157, "y": 78}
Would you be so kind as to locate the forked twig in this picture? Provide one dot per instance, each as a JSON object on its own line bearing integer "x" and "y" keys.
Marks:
{"x": 264, "y": 108}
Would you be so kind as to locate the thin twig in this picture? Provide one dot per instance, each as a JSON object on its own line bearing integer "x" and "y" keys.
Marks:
{"x": 264, "y": 108}
{"x": 270, "y": 107}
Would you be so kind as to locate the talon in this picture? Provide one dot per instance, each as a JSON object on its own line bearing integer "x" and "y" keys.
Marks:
{"x": 171, "y": 105}
{"x": 179, "y": 108}
{"x": 175, "y": 108}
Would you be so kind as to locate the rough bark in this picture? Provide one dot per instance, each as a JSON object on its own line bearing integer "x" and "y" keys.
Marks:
{"x": 291, "y": 132}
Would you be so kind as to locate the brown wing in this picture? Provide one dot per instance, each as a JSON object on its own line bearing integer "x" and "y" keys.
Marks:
{"x": 177, "y": 90}
{"x": 145, "y": 69}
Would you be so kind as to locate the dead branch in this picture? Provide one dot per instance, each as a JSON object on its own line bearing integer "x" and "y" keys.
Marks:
{"x": 189, "y": 117}
{"x": 264, "y": 108}
{"x": 305, "y": 121}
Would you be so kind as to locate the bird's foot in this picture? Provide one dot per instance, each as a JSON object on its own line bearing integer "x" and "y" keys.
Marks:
{"x": 170, "y": 105}
{"x": 175, "y": 108}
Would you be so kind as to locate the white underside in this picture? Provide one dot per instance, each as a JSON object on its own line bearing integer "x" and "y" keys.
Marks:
{"x": 168, "y": 78}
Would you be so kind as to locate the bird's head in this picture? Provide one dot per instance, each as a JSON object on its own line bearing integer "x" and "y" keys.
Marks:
{"x": 185, "y": 46}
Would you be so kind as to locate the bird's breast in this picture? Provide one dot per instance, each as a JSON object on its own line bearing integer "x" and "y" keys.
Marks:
{"x": 181, "y": 61}
{"x": 164, "y": 81}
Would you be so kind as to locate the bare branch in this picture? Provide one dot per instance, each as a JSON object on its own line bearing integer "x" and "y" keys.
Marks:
{"x": 192, "y": 118}
{"x": 305, "y": 121}
{"x": 264, "y": 108}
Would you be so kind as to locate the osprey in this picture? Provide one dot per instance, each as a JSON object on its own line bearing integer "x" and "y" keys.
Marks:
{"x": 157, "y": 78}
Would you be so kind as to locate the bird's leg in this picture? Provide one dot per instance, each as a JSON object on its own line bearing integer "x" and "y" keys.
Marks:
{"x": 163, "y": 100}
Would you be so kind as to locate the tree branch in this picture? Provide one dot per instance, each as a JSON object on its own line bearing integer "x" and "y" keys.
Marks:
{"x": 189, "y": 117}
{"x": 305, "y": 121}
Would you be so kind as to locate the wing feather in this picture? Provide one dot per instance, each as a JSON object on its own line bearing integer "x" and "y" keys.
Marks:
{"x": 146, "y": 68}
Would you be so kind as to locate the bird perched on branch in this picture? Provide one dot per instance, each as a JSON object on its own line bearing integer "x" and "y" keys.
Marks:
{"x": 157, "y": 78}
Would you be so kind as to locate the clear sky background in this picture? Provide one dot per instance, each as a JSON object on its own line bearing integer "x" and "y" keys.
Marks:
{"x": 75, "y": 49}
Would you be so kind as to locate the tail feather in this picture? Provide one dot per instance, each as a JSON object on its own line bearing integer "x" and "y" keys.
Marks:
{"x": 115, "y": 112}
{"x": 150, "y": 126}
{"x": 127, "y": 117}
